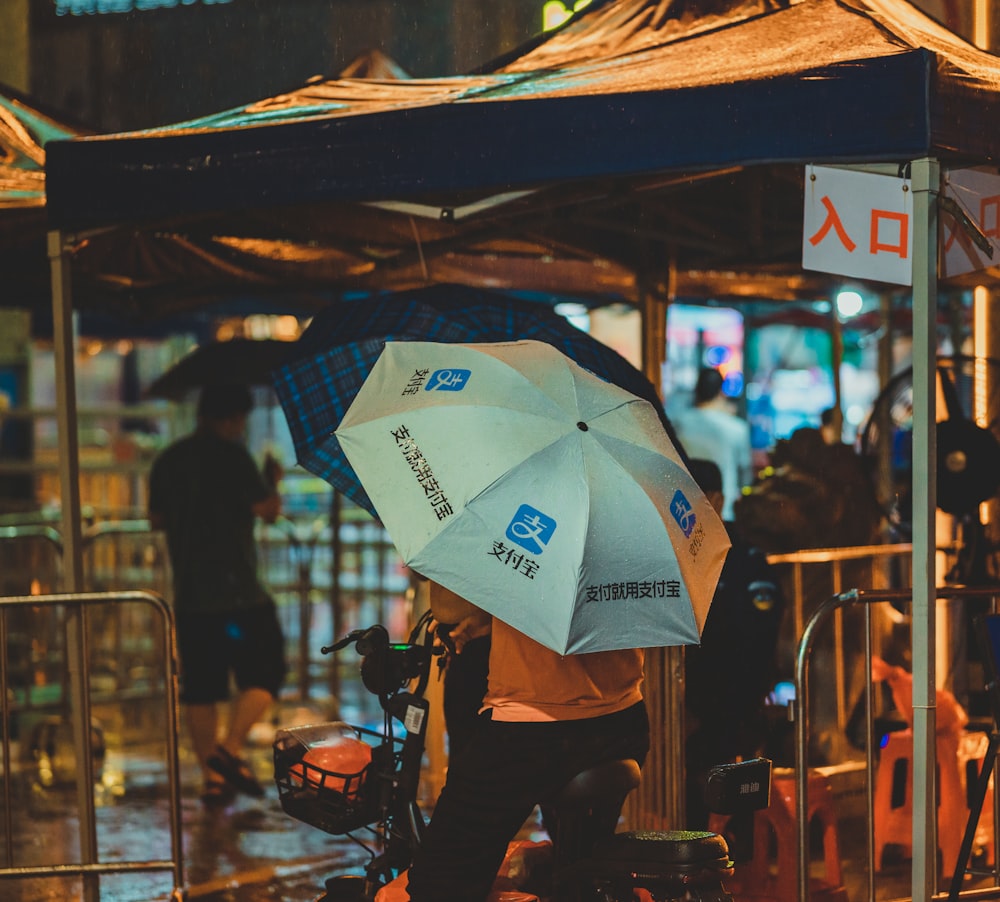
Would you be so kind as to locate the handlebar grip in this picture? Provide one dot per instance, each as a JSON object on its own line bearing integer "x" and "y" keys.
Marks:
{"x": 363, "y": 638}
{"x": 341, "y": 643}
{"x": 443, "y": 634}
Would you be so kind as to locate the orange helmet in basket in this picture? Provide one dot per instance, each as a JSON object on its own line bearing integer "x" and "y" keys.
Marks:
{"x": 332, "y": 766}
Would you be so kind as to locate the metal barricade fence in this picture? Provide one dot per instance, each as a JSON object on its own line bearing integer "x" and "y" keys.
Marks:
{"x": 815, "y": 574}
{"x": 75, "y": 612}
{"x": 125, "y": 554}
{"x": 328, "y": 575}
{"x": 831, "y": 608}
{"x": 805, "y": 576}
{"x": 30, "y": 559}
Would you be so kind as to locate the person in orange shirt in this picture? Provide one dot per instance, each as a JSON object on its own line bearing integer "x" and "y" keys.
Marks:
{"x": 545, "y": 718}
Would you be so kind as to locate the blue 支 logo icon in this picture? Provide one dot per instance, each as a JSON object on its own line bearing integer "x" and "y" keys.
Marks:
{"x": 531, "y": 529}
{"x": 680, "y": 507}
{"x": 448, "y": 380}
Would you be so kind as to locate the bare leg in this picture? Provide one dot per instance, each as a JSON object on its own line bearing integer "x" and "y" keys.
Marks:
{"x": 247, "y": 708}
{"x": 203, "y": 725}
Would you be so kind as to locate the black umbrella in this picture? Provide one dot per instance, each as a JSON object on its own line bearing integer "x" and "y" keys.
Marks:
{"x": 239, "y": 362}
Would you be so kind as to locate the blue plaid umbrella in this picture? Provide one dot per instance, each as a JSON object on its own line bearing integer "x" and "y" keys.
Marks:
{"x": 495, "y": 316}
{"x": 335, "y": 354}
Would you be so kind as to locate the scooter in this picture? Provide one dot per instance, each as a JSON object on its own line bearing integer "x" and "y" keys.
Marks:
{"x": 361, "y": 783}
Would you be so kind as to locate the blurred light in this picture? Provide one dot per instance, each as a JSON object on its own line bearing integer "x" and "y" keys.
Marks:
{"x": 555, "y": 12}
{"x": 849, "y": 303}
{"x": 981, "y": 383}
{"x": 286, "y": 328}
{"x": 855, "y": 414}
{"x": 576, "y": 313}
{"x": 717, "y": 355}
{"x": 258, "y": 326}
{"x": 783, "y": 693}
{"x": 732, "y": 384}
{"x": 103, "y": 7}
{"x": 570, "y": 308}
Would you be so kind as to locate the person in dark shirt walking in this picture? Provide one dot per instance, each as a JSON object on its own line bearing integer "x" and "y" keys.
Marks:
{"x": 205, "y": 491}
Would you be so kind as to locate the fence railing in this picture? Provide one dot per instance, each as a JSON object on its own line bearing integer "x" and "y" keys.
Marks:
{"x": 831, "y": 608}
{"x": 328, "y": 575}
{"x": 71, "y": 615}
{"x": 809, "y": 577}
{"x": 818, "y": 573}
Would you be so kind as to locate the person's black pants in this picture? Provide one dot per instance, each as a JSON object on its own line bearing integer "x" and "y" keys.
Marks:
{"x": 493, "y": 786}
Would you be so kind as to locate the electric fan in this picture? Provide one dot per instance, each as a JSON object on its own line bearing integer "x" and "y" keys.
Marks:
{"x": 968, "y": 455}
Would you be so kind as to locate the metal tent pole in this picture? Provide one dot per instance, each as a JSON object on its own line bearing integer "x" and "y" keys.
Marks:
{"x": 925, "y": 181}
{"x": 72, "y": 543}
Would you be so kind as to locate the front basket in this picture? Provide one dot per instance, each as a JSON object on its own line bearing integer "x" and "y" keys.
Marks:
{"x": 331, "y": 800}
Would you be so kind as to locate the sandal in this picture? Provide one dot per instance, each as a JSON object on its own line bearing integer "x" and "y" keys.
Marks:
{"x": 236, "y": 771}
{"x": 217, "y": 794}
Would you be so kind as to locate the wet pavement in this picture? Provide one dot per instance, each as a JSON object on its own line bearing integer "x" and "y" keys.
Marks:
{"x": 248, "y": 851}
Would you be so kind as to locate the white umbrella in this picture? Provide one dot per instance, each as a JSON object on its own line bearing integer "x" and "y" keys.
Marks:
{"x": 537, "y": 491}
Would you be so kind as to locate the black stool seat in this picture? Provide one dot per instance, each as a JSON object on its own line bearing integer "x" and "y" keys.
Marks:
{"x": 681, "y": 852}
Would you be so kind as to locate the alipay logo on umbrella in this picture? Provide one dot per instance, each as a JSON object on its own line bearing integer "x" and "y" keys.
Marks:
{"x": 448, "y": 380}
{"x": 531, "y": 529}
{"x": 683, "y": 513}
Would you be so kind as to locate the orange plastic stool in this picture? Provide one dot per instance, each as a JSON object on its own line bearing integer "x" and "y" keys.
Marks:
{"x": 894, "y": 798}
{"x": 754, "y": 878}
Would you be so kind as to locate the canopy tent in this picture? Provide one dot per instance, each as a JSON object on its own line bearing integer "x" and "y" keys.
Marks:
{"x": 24, "y": 132}
{"x": 645, "y": 129}
{"x": 675, "y": 90}
{"x": 695, "y": 93}
{"x": 130, "y": 272}
{"x": 694, "y": 96}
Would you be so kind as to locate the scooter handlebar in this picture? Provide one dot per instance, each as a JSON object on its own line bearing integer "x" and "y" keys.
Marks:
{"x": 364, "y": 639}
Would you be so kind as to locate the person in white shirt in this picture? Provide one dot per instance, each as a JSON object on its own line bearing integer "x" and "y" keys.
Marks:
{"x": 710, "y": 430}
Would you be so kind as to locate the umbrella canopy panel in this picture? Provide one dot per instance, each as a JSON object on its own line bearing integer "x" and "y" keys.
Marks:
{"x": 540, "y": 493}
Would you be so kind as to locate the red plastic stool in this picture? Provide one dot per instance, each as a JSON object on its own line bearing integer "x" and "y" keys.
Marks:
{"x": 754, "y": 878}
{"x": 894, "y": 798}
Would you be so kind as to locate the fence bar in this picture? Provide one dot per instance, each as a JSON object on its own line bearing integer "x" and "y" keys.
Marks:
{"x": 76, "y": 604}
{"x": 829, "y": 607}
{"x": 33, "y": 531}
{"x": 8, "y": 814}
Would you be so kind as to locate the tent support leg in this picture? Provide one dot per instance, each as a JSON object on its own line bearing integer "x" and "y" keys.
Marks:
{"x": 926, "y": 179}
{"x": 72, "y": 550}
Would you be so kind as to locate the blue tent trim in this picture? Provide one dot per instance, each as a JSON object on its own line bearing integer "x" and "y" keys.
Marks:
{"x": 620, "y": 114}
{"x": 442, "y": 149}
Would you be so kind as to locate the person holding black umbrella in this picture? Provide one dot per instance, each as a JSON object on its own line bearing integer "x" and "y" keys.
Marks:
{"x": 205, "y": 491}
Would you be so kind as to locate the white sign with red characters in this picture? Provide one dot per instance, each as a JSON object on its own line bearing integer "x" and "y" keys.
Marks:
{"x": 977, "y": 193}
{"x": 858, "y": 224}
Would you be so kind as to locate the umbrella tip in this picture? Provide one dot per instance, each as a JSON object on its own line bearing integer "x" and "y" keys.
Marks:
{"x": 583, "y": 427}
